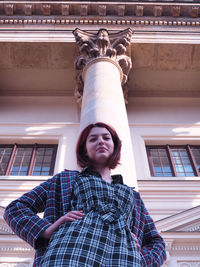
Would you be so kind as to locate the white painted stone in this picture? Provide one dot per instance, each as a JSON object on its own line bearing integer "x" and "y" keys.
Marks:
{"x": 103, "y": 101}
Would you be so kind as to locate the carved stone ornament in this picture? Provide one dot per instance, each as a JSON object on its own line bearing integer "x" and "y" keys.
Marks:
{"x": 102, "y": 45}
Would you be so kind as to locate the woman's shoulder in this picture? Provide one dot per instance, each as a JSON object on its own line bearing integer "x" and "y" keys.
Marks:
{"x": 137, "y": 195}
{"x": 64, "y": 175}
{"x": 67, "y": 172}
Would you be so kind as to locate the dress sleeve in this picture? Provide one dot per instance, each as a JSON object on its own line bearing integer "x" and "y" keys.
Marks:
{"x": 152, "y": 252}
{"x": 21, "y": 215}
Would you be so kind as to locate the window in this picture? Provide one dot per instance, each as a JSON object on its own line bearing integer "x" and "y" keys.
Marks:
{"x": 174, "y": 160}
{"x": 22, "y": 160}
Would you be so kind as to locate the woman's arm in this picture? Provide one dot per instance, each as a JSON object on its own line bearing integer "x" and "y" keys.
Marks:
{"x": 152, "y": 245}
{"x": 21, "y": 214}
{"x": 70, "y": 216}
{"x": 152, "y": 252}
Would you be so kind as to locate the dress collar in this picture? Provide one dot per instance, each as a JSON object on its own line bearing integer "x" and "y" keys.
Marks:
{"x": 116, "y": 179}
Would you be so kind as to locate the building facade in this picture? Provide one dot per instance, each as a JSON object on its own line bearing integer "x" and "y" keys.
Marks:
{"x": 144, "y": 69}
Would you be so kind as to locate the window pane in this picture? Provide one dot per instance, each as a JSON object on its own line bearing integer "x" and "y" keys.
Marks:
{"x": 25, "y": 158}
{"x": 157, "y": 169}
{"x": 36, "y": 173}
{"x": 161, "y": 163}
{"x": 182, "y": 162}
{"x": 188, "y": 169}
{"x": 166, "y": 169}
{"x": 5, "y": 154}
{"x": 196, "y": 154}
{"x": 22, "y": 161}
{"x": 43, "y": 161}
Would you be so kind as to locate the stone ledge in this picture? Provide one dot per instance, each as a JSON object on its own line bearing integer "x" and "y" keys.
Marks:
{"x": 100, "y": 9}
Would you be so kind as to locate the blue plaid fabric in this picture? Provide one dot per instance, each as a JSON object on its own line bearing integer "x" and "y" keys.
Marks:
{"x": 103, "y": 236}
{"x": 53, "y": 197}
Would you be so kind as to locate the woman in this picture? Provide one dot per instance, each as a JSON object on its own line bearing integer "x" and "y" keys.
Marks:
{"x": 90, "y": 217}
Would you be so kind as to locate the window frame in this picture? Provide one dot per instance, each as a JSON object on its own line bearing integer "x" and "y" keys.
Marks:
{"x": 34, "y": 146}
{"x": 170, "y": 158}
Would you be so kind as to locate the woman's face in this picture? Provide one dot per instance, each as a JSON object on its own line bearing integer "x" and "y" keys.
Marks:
{"x": 99, "y": 145}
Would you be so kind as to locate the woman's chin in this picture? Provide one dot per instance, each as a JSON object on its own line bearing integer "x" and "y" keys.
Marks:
{"x": 101, "y": 162}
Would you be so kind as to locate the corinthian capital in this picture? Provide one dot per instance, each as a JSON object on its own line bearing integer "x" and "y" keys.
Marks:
{"x": 103, "y": 45}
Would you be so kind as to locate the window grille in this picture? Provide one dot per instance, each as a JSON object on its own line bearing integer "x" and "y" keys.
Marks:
{"x": 23, "y": 160}
{"x": 168, "y": 161}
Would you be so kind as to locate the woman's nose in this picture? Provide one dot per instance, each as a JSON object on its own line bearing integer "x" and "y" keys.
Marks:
{"x": 101, "y": 141}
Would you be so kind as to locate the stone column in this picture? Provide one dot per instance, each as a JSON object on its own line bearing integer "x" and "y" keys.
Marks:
{"x": 104, "y": 67}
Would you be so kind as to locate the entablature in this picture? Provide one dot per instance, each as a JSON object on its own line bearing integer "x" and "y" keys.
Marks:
{"x": 58, "y": 13}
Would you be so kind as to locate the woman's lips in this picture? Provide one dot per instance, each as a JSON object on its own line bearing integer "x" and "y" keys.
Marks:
{"x": 102, "y": 148}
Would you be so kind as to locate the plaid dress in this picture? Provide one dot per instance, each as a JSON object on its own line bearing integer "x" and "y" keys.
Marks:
{"x": 102, "y": 237}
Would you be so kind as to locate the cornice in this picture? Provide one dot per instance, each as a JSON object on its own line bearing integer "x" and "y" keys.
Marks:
{"x": 169, "y": 186}
{"x": 12, "y": 243}
{"x": 66, "y": 35}
{"x": 57, "y": 13}
{"x": 5, "y": 230}
{"x": 184, "y": 243}
{"x": 15, "y": 249}
{"x": 186, "y": 221}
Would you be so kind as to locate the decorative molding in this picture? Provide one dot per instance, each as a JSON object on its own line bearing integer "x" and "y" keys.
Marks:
{"x": 139, "y": 11}
{"x": 188, "y": 263}
{"x": 187, "y": 187}
{"x": 46, "y": 9}
{"x": 192, "y": 228}
{"x": 158, "y": 11}
{"x": 4, "y": 229}
{"x": 9, "y": 9}
{"x": 186, "y": 248}
{"x": 130, "y": 13}
{"x": 64, "y": 9}
{"x": 194, "y": 12}
{"x": 176, "y": 11}
{"x": 84, "y": 10}
{"x": 195, "y": 228}
{"x": 139, "y": 36}
{"x": 192, "y": 238}
{"x": 102, "y": 46}
{"x": 121, "y": 10}
{"x": 181, "y": 246}
{"x": 14, "y": 264}
{"x": 44, "y": 21}
{"x": 28, "y": 9}
{"x": 131, "y": 9}
{"x": 12, "y": 244}
{"x": 102, "y": 10}
{"x": 186, "y": 221}
{"x": 15, "y": 249}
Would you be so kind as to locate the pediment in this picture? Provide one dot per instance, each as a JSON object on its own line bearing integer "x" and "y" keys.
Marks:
{"x": 4, "y": 228}
{"x": 185, "y": 221}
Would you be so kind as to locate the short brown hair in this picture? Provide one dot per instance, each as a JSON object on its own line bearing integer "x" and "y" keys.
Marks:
{"x": 81, "y": 154}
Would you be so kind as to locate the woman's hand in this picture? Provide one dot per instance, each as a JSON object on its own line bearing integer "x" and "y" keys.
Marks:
{"x": 70, "y": 216}
{"x": 136, "y": 241}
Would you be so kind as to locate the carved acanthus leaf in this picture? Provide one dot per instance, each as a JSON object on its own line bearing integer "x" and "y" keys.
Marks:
{"x": 103, "y": 44}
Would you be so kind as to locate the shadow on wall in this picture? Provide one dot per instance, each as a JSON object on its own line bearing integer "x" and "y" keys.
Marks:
{"x": 188, "y": 131}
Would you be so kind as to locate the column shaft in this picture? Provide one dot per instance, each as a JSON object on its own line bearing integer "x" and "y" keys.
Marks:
{"x": 103, "y": 101}
{"x": 104, "y": 68}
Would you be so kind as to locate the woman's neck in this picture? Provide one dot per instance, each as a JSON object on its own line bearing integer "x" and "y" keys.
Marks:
{"x": 105, "y": 173}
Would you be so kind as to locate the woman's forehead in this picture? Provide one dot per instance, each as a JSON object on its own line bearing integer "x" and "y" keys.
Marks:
{"x": 98, "y": 131}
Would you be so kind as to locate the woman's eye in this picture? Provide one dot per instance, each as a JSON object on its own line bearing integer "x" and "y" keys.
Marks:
{"x": 92, "y": 140}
